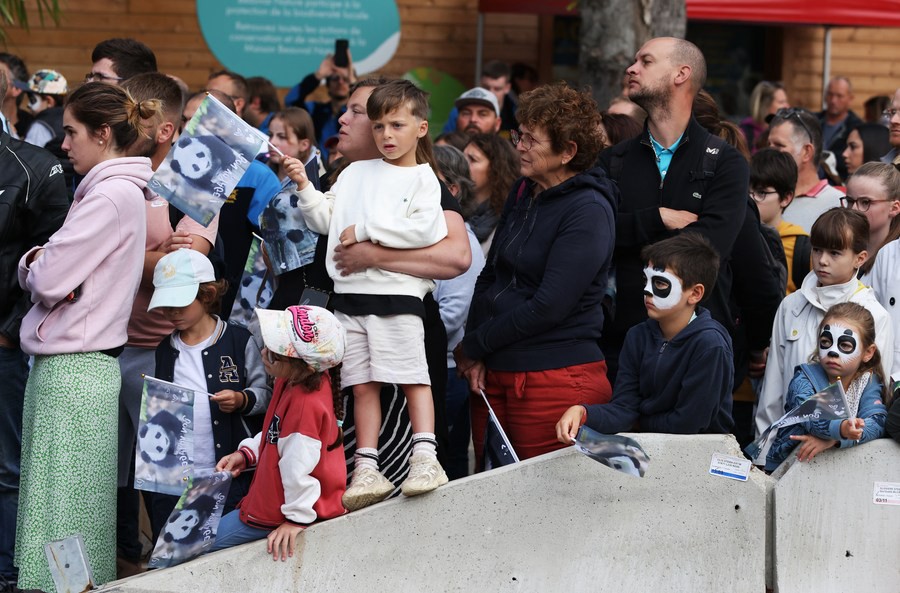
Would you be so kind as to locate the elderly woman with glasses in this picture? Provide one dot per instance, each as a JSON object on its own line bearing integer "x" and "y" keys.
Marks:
{"x": 531, "y": 342}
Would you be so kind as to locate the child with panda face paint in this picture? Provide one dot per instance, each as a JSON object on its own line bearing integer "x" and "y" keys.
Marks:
{"x": 676, "y": 368}
{"x": 846, "y": 352}
{"x": 839, "y": 239}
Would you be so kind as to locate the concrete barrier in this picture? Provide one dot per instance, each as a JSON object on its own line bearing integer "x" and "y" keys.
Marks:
{"x": 829, "y": 533}
{"x": 559, "y": 522}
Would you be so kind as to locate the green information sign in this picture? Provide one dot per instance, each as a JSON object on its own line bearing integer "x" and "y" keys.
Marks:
{"x": 285, "y": 40}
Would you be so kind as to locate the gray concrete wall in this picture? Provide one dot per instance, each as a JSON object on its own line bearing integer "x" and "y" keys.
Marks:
{"x": 559, "y": 522}
{"x": 829, "y": 534}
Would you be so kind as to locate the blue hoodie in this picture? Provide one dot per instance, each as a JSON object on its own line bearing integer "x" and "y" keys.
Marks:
{"x": 680, "y": 386}
{"x": 536, "y": 304}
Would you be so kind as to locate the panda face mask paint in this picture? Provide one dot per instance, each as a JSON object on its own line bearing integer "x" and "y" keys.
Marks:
{"x": 838, "y": 344}
{"x": 663, "y": 287}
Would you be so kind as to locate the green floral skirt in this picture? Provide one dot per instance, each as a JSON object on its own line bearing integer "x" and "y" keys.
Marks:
{"x": 68, "y": 484}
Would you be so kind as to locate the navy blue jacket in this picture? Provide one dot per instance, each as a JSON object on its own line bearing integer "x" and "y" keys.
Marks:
{"x": 681, "y": 386}
{"x": 718, "y": 200}
{"x": 231, "y": 362}
{"x": 536, "y": 304}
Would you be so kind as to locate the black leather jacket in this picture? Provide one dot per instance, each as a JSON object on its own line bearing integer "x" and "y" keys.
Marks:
{"x": 33, "y": 205}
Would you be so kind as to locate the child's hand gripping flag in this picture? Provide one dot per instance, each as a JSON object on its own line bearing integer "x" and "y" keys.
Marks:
{"x": 828, "y": 404}
{"x": 612, "y": 450}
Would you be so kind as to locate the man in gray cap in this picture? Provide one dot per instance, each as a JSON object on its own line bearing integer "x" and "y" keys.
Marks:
{"x": 479, "y": 112}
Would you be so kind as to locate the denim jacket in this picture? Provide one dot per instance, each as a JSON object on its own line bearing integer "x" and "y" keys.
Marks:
{"x": 808, "y": 380}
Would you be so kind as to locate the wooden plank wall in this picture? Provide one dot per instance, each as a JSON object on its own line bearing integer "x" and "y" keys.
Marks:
{"x": 437, "y": 33}
{"x": 867, "y": 56}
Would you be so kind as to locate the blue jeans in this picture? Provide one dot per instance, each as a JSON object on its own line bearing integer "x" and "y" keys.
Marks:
{"x": 13, "y": 375}
{"x": 233, "y": 532}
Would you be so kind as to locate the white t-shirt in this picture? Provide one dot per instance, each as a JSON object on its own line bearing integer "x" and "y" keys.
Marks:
{"x": 189, "y": 373}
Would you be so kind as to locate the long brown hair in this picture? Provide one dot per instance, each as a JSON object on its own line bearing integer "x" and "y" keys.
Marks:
{"x": 503, "y": 162}
{"x": 97, "y": 104}
{"x": 299, "y": 121}
{"x": 303, "y": 375}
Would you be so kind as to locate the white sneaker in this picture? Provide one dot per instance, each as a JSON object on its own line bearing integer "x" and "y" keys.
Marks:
{"x": 367, "y": 486}
{"x": 425, "y": 474}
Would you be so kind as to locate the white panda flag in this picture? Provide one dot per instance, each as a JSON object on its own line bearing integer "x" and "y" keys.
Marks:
{"x": 612, "y": 450}
{"x": 206, "y": 162}
{"x": 192, "y": 526}
{"x": 164, "y": 456}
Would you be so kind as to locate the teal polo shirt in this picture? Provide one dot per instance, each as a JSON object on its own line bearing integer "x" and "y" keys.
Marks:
{"x": 664, "y": 155}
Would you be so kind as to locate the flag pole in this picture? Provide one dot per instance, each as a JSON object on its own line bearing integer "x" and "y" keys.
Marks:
{"x": 272, "y": 146}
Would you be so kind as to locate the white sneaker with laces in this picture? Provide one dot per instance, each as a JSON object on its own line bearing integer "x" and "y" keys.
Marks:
{"x": 425, "y": 475}
{"x": 367, "y": 486}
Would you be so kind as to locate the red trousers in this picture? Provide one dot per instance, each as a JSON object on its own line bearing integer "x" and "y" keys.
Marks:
{"x": 529, "y": 404}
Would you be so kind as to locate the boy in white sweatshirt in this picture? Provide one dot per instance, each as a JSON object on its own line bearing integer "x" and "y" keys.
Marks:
{"x": 393, "y": 201}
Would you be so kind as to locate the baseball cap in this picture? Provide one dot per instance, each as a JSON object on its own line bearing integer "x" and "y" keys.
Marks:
{"x": 307, "y": 332}
{"x": 481, "y": 97}
{"x": 177, "y": 278}
{"x": 45, "y": 82}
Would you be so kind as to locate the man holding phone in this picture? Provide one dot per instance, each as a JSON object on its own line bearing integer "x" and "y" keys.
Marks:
{"x": 337, "y": 72}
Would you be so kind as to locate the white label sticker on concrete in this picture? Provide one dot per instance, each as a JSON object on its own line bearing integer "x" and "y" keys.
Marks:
{"x": 726, "y": 466}
{"x": 887, "y": 493}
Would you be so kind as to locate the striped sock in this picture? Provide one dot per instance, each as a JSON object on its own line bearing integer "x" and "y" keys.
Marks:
{"x": 424, "y": 443}
{"x": 366, "y": 457}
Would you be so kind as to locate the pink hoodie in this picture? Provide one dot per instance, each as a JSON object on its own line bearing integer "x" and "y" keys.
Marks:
{"x": 99, "y": 254}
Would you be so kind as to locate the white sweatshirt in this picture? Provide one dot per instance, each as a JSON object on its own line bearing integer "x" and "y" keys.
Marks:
{"x": 393, "y": 206}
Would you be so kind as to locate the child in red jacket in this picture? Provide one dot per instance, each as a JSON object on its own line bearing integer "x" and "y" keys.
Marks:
{"x": 300, "y": 469}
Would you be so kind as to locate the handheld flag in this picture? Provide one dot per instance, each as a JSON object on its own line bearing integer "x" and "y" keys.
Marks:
{"x": 498, "y": 451}
{"x": 612, "y": 450}
{"x": 828, "y": 404}
{"x": 205, "y": 164}
{"x": 192, "y": 525}
{"x": 256, "y": 287}
{"x": 164, "y": 456}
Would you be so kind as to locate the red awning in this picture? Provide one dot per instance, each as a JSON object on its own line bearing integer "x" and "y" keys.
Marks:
{"x": 851, "y": 13}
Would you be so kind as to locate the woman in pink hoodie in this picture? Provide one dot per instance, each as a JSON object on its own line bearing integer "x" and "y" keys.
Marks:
{"x": 82, "y": 284}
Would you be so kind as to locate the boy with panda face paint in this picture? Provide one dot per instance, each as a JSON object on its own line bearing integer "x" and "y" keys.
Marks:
{"x": 676, "y": 368}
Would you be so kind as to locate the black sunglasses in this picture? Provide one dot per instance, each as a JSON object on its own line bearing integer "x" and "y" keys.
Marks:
{"x": 786, "y": 113}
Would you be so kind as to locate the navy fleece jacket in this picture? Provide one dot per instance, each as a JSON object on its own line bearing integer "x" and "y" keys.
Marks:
{"x": 536, "y": 304}
{"x": 681, "y": 386}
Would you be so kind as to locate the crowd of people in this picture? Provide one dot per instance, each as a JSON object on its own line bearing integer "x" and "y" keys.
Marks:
{"x": 648, "y": 267}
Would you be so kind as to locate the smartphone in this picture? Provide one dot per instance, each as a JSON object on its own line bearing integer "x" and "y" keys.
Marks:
{"x": 341, "y": 59}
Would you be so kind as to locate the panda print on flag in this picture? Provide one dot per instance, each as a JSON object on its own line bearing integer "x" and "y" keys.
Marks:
{"x": 205, "y": 164}
{"x": 164, "y": 456}
{"x": 191, "y": 528}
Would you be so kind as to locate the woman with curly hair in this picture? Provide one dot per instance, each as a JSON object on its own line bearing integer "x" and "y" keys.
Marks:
{"x": 532, "y": 335}
{"x": 494, "y": 167}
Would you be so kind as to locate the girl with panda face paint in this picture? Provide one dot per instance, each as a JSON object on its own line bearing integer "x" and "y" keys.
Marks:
{"x": 846, "y": 352}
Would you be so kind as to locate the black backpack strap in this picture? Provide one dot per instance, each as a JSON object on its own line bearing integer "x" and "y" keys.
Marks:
{"x": 800, "y": 260}
{"x": 708, "y": 160}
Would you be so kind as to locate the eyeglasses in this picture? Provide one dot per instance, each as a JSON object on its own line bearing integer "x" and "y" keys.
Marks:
{"x": 524, "y": 138}
{"x": 787, "y": 113}
{"x": 861, "y": 204}
{"x": 759, "y": 195}
{"x": 98, "y": 77}
{"x": 890, "y": 113}
{"x": 338, "y": 78}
